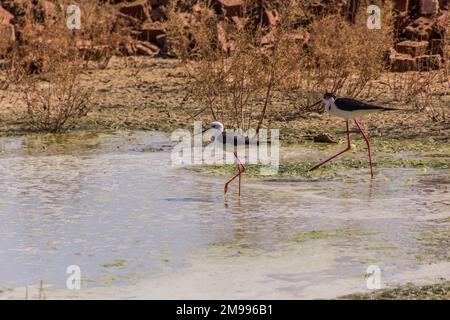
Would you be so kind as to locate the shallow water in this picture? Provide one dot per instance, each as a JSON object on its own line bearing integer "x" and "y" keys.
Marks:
{"x": 113, "y": 205}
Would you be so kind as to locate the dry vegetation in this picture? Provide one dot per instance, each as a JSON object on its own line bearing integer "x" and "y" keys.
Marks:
{"x": 235, "y": 79}
{"x": 46, "y": 65}
{"x": 245, "y": 74}
{"x": 60, "y": 98}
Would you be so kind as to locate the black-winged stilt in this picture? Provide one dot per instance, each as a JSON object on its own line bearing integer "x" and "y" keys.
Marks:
{"x": 349, "y": 109}
{"x": 231, "y": 140}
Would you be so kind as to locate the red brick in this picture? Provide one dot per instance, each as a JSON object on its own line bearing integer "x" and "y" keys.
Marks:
{"x": 229, "y": 8}
{"x": 137, "y": 9}
{"x": 270, "y": 17}
{"x": 420, "y": 29}
{"x": 401, "y": 62}
{"x": 161, "y": 40}
{"x": 429, "y": 7}
{"x": 423, "y": 21}
{"x": 413, "y": 48}
{"x": 158, "y": 3}
{"x": 146, "y": 49}
{"x": 5, "y": 16}
{"x": 7, "y": 33}
{"x": 429, "y": 62}
{"x": 438, "y": 46}
{"x": 151, "y": 31}
{"x": 401, "y": 5}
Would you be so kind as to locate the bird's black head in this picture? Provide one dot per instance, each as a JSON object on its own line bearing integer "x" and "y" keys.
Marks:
{"x": 327, "y": 99}
{"x": 328, "y": 96}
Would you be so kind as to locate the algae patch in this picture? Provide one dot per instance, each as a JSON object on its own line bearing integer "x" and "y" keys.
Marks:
{"x": 332, "y": 169}
{"x": 436, "y": 291}
{"x": 314, "y": 234}
{"x": 302, "y": 236}
{"x": 115, "y": 263}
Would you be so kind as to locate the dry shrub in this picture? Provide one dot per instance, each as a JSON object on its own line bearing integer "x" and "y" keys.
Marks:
{"x": 233, "y": 70}
{"x": 46, "y": 38}
{"x": 5, "y": 44}
{"x": 52, "y": 104}
{"x": 350, "y": 60}
{"x": 49, "y": 58}
{"x": 406, "y": 87}
{"x": 423, "y": 91}
{"x": 5, "y": 39}
{"x": 101, "y": 33}
{"x": 344, "y": 57}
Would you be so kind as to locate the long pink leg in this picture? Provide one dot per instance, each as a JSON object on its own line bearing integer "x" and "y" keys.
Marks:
{"x": 241, "y": 169}
{"x": 368, "y": 146}
{"x": 338, "y": 154}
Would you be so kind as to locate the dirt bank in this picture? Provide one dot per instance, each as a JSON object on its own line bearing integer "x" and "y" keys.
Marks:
{"x": 144, "y": 93}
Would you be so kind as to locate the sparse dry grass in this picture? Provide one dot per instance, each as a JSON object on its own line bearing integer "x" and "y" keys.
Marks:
{"x": 54, "y": 103}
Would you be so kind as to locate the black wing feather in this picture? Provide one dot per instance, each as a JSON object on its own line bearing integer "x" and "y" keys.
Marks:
{"x": 235, "y": 142}
{"x": 348, "y": 104}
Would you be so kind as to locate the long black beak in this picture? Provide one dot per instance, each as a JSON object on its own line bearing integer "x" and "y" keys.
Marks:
{"x": 313, "y": 105}
{"x": 202, "y": 132}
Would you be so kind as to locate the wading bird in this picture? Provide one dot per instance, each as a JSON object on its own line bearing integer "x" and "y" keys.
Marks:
{"x": 349, "y": 109}
{"x": 230, "y": 140}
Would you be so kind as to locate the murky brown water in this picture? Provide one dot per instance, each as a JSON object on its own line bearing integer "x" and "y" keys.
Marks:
{"x": 113, "y": 205}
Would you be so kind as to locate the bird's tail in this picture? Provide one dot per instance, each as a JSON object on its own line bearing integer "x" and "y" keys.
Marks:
{"x": 389, "y": 109}
{"x": 397, "y": 109}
